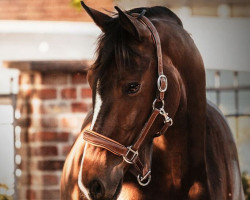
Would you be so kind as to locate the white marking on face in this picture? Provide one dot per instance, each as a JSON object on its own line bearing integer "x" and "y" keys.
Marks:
{"x": 98, "y": 104}
{"x": 80, "y": 184}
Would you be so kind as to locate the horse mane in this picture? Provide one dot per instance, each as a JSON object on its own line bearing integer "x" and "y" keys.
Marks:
{"x": 114, "y": 43}
{"x": 158, "y": 11}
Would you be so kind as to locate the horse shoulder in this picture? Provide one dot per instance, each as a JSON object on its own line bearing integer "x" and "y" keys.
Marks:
{"x": 224, "y": 179}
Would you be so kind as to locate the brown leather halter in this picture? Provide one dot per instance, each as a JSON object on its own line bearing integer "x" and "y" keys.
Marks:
{"x": 130, "y": 154}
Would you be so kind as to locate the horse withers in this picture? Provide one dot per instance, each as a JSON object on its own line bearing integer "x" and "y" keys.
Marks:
{"x": 151, "y": 133}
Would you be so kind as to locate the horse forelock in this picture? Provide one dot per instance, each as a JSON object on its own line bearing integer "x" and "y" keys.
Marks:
{"x": 114, "y": 50}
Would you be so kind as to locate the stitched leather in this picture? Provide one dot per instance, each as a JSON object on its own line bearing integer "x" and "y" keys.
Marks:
{"x": 97, "y": 139}
{"x": 145, "y": 131}
{"x": 157, "y": 42}
{"x": 164, "y": 128}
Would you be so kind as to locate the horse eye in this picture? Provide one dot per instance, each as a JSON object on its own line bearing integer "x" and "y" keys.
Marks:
{"x": 133, "y": 88}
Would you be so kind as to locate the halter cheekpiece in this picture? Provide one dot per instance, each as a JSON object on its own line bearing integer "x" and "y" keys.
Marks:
{"x": 131, "y": 153}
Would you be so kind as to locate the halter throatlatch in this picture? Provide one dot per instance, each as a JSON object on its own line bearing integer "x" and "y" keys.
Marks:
{"x": 131, "y": 153}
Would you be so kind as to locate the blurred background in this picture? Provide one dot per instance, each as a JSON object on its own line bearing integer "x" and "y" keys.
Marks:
{"x": 46, "y": 48}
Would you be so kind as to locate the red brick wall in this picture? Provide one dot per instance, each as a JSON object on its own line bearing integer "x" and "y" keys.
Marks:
{"x": 55, "y": 10}
{"x": 53, "y": 106}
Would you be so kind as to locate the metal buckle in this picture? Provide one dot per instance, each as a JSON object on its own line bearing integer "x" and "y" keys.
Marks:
{"x": 130, "y": 160}
{"x": 159, "y": 83}
{"x": 146, "y": 177}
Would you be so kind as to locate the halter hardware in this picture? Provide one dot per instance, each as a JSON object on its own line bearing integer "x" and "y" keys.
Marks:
{"x": 162, "y": 111}
{"x": 162, "y": 79}
{"x": 141, "y": 179}
{"x": 167, "y": 118}
{"x": 158, "y": 101}
{"x": 133, "y": 157}
{"x": 130, "y": 154}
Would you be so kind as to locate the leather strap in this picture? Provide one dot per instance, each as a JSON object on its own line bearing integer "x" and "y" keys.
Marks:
{"x": 113, "y": 146}
{"x": 116, "y": 148}
{"x": 99, "y": 140}
{"x": 143, "y": 165}
{"x": 145, "y": 134}
{"x": 162, "y": 78}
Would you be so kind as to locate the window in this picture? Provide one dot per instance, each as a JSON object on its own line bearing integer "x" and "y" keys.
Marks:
{"x": 230, "y": 91}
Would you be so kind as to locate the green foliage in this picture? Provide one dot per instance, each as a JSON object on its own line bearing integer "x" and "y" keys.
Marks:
{"x": 246, "y": 185}
{"x": 76, "y": 4}
{"x": 4, "y": 197}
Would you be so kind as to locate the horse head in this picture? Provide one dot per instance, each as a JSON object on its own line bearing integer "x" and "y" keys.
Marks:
{"x": 124, "y": 83}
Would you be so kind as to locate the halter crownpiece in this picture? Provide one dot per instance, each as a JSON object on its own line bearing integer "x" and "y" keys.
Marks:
{"x": 131, "y": 153}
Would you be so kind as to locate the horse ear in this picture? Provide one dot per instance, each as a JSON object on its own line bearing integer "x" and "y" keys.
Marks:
{"x": 98, "y": 17}
{"x": 130, "y": 24}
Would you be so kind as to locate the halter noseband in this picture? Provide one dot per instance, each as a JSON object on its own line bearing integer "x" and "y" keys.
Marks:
{"x": 130, "y": 154}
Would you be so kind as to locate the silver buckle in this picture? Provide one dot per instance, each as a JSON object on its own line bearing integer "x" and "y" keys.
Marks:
{"x": 146, "y": 177}
{"x": 159, "y": 83}
{"x": 130, "y": 160}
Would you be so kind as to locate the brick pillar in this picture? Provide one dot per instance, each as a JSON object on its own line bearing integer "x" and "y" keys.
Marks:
{"x": 53, "y": 106}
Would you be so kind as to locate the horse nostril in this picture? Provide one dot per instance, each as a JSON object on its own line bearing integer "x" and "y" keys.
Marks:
{"x": 96, "y": 189}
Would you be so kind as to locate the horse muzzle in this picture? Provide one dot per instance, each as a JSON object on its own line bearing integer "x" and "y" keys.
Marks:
{"x": 98, "y": 179}
{"x": 98, "y": 189}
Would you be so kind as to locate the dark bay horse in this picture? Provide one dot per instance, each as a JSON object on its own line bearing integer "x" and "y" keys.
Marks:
{"x": 145, "y": 58}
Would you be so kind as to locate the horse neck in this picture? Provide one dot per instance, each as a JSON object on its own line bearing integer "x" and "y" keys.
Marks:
{"x": 185, "y": 139}
{"x": 177, "y": 145}
{"x": 170, "y": 150}
{"x": 179, "y": 46}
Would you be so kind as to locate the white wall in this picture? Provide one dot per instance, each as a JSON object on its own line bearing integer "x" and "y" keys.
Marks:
{"x": 223, "y": 42}
{"x": 36, "y": 40}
